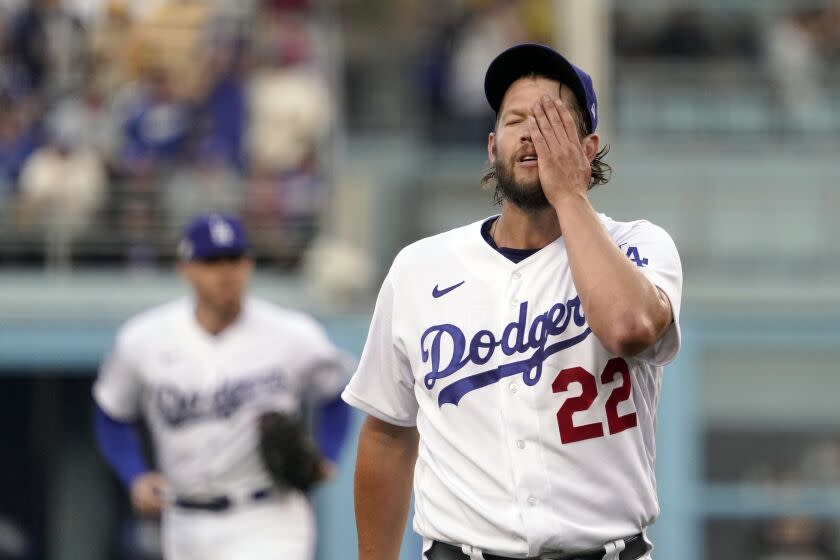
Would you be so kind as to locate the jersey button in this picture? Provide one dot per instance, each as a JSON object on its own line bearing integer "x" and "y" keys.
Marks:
{"x": 514, "y": 301}
{"x": 517, "y": 275}
{"x": 520, "y": 444}
{"x": 532, "y": 501}
{"x": 513, "y": 388}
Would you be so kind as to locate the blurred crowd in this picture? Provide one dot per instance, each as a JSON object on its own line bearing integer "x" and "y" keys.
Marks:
{"x": 119, "y": 119}
{"x": 687, "y": 32}
{"x": 454, "y": 44}
{"x": 791, "y": 52}
{"x": 789, "y": 49}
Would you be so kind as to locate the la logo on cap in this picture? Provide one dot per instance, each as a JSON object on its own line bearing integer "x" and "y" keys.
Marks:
{"x": 220, "y": 231}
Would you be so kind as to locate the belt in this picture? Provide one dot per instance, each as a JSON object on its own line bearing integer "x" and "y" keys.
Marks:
{"x": 218, "y": 503}
{"x": 634, "y": 547}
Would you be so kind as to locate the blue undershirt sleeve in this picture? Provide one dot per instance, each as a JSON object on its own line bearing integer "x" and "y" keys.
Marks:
{"x": 332, "y": 422}
{"x": 120, "y": 445}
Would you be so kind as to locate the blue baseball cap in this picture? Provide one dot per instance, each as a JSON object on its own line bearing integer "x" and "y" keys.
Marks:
{"x": 532, "y": 58}
{"x": 212, "y": 236}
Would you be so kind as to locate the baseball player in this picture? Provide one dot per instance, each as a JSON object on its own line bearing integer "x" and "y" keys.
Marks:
{"x": 201, "y": 371}
{"x": 513, "y": 365}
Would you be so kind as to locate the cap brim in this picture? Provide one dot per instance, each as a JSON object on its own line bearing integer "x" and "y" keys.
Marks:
{"x": 524, "y": 60}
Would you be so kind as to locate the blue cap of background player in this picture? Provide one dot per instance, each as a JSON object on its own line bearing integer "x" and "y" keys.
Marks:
{"x": 213, "y": 236}
{"x": 531, "y": 58}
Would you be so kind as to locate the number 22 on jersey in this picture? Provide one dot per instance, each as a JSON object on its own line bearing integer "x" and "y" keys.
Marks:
{"x": 569, "y": 432}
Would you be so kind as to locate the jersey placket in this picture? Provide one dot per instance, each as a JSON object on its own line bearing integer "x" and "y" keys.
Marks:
{"x": 522, "y": 424}
{"x": 212, "y": 357}
{"x": 224, "y": 364}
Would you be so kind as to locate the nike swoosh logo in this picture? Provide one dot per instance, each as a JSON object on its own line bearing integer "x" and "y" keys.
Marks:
{"x": 437, "y": 292}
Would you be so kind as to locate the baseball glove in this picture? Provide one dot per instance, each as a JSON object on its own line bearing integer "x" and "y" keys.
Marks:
{"x": 288, "y": 452}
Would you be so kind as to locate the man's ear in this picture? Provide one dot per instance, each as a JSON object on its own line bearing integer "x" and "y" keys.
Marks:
{"x": 591, "y": 144}
{"x": 491, "y": 147}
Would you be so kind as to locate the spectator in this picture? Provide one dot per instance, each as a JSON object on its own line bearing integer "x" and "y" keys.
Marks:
{"x": 62, "y": 185}
{"x": 49, "y": 45}
{"x": 795, "y": 65}
{"x": 168, "y": 37}
{"x": 155, "y": 131}
{"x": 17, "y": 142}
{"x": 290, "y": 115}
{"x": 291, "y": 112}
{"x": 433, "y": 53}
{"x": 14, "y": 78}
{"x": 28, "y": 42}
{"x": 224, "y": 107}
{"x": 110, "y": 56}
{"x": 88, "y": 118}
{"x": 490, "y": 31}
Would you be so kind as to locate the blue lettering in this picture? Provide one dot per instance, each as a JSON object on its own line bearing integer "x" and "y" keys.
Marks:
{"x": 555, "y": 315}
{"x": 478, "y": 343}
{"x": 483, "y": 345}
{"x": 457, "y": 360}
{"x": 179, "y": 408}
{"x": 175, "y": 407}
{"x": 540, "y": 324}
{"x": 517, "y": 327}
{"x": 633, "y": 255}
{"x": 580, "y": 320}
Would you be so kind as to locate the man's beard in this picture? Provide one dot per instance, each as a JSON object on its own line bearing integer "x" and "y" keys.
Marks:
{"x": 528, "y": 196}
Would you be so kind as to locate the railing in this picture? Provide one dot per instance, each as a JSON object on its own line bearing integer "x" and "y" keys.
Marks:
{"x": 103, "y": 241}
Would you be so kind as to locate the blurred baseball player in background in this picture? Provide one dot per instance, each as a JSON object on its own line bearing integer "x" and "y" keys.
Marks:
{"x": 202, "y": 371}
{"x": 524, "y": 352}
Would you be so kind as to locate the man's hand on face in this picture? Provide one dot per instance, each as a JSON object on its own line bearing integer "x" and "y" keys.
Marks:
{"x": 563, "y": 166}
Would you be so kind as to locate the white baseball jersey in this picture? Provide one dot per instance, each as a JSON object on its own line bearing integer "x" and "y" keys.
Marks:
{"x": 533, "y": 436}
{"x": 201, "y": 394}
